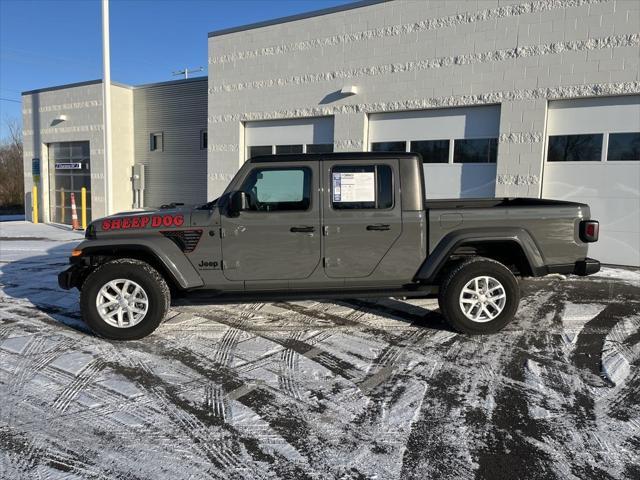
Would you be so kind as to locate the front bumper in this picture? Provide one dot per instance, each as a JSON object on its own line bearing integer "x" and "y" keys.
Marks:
{"x": 71, "y": 277}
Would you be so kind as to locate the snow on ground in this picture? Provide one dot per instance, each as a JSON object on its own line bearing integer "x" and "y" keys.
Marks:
{"x": 315, "y": 389}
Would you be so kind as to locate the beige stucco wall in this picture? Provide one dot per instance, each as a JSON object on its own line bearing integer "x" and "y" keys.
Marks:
{"x": 82, "y": 106}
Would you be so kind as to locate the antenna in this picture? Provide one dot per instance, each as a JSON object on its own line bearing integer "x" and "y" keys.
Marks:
{"x": 186, "y": 71}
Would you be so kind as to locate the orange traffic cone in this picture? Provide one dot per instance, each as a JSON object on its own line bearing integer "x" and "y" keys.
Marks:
{"x": 75, "y": 225}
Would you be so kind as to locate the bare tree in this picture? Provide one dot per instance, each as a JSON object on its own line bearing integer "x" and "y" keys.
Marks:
{"x": 11, "y": 168}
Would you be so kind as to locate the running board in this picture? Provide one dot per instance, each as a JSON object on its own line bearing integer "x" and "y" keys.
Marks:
{"x": 202, "y": 296}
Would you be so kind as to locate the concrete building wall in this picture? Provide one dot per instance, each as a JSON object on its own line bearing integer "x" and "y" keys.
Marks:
{"x": 178, "y": 173}
{"x": 82, "y": 106}
{"x": 409, "y": 55}
{"x": 178, "y": 110}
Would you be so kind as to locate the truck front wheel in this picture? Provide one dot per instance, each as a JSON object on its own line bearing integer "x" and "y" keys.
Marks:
{"x": 124, "y": 299}
{"x": 479, "y": 296}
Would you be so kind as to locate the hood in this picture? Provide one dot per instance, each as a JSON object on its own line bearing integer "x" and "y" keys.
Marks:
{"x": 174, "y": 217}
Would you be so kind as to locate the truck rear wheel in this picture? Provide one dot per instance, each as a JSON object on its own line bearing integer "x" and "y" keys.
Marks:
{"x": 124, "y": 299}
{"x": 479, "y": 296}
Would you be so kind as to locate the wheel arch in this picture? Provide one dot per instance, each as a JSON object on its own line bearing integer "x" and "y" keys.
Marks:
{"x": 509, "y": 246}
{"x": 176, "y": 269}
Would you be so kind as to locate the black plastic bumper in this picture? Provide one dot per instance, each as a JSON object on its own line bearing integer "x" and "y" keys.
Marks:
{"x": 587, "y": 266}
{"x": 584, "y": 267}
{"x": 71, "y": 277}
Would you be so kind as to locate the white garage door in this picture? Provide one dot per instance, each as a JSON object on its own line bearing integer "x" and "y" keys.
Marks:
{"x": 593, "y": 156}
{"x": 458, "y": 145}
{"x": 308, "y": 135}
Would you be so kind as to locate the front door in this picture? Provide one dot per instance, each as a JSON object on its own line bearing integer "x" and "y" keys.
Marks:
{"x": 278, "y": 239}
{"x": 362, "y": 215}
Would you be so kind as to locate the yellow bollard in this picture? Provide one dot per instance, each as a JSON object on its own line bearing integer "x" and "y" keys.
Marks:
{"x": 83, "y": 206}
{"x": 34, "y": 204}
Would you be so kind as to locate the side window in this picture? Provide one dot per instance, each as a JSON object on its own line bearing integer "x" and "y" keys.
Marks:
{"x": 355, "y": 187}
{"x": 156, "y": 142}
{"x": 203, "y": 139}
{"x": 575, "y": 148}
{"x": 624, "y": 146}
{"x": 279, "y": 189}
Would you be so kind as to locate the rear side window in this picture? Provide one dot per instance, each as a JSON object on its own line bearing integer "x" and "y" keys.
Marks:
{"x": 279, "y": 189}
{"x": 362, "y": 187}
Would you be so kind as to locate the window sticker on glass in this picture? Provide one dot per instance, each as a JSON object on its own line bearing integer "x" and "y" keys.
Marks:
{"x": 354, "y": 187}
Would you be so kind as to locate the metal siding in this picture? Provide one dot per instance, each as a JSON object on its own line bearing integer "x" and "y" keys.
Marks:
{"x": 179, "y": 173}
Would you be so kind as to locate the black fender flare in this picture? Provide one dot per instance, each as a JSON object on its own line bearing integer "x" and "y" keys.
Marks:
{"x": 447, "y": 245}
{"x": 169, "y": 256}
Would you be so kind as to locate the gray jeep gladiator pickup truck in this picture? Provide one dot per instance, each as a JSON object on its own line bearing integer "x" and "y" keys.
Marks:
{"x": 342, "y": 225}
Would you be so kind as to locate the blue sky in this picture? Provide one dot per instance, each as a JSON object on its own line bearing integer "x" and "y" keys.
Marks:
{"x": 52, "y": 42}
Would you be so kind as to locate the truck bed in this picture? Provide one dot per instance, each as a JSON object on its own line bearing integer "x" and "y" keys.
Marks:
{"x": 446, "y": 204}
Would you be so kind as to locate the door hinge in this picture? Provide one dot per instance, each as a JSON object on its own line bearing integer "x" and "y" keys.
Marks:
{"x": 222, "y": 233}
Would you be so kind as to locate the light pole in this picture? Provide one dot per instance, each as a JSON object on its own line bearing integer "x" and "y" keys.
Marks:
{"x": 106, "y": 108}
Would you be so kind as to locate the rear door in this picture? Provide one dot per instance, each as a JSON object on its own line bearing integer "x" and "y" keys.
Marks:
{"x": 279, "y": 238}
{"x": 362, "y": 215}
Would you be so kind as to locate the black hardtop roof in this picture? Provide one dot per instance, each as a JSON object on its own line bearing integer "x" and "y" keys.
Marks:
{"x": 287, "y": 157}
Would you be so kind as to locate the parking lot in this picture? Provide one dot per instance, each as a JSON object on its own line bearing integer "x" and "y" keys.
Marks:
{"x": 316, "y": 389}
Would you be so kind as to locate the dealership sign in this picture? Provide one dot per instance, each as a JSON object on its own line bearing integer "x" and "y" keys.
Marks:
{"x": 69, "y": 166}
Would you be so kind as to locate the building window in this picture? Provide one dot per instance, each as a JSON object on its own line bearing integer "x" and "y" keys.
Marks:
{"x": 432, "y": 151}
{"x": 279, "y": 189}
{"x": 365, "y": 187}
{"x": 389, "y": 147}
{"x": 258, "y": 150}
{"x": 203, "y": 139}
{"x": 319, "y": 147}
{"x": 475, "y": 150}
{"x": 288, "y": 149}
{"x": 156, "y": 142}
{"x": 624, "y": 146}
{"x": 575, "y": 148}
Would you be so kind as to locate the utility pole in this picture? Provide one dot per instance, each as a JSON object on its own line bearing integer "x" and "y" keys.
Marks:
{"x": 106, "y": 109}
{"x": 186, "y": 71}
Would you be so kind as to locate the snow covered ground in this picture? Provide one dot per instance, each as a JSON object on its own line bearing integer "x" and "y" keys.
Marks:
{"x": 353, "y": 389}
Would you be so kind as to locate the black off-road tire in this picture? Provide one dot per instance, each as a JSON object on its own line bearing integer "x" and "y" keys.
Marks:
{"x": 143, "y": 274}
{"x": 454, "y": 281}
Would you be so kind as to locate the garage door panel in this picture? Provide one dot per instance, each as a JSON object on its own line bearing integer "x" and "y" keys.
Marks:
{"x": 599, "y": 179}
{"x": 447, "y": 179}
{"x": 611, "y": 189}
{"x": 459, "y": 181}
{"x": 435, "y": 124}
{"x": 305, "y": 131}
{"x": 618, "y": 248}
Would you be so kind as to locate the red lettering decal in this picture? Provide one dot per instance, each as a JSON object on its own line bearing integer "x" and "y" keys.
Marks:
{"x": 144, "y": 221}
{"x": 178, "y": 220}
{"x": 135, "y": 222}
{"x": 167, "y": 220}
{"x": 106, "y": 225}
{"x": 156, "y": 221}
{"x": 126, "y": 223}
{"x": 115, "y": 224}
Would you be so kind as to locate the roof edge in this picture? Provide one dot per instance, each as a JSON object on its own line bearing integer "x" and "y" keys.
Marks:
{"x": 117, "y": 84}
{"x": 298, "y": 16}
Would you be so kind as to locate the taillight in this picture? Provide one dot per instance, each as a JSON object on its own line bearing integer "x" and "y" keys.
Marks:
{"x": 589, "y": 230}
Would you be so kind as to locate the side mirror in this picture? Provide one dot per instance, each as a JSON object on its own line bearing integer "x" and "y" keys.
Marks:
{"x": 239, "y": 202}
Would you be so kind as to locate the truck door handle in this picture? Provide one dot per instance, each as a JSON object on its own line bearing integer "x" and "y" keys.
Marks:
{"x": 302, "y": 229}
{"x": 378, "y": 226}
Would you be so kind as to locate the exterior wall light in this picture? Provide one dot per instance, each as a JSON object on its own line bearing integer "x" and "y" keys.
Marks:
{"x": 349, "y": 90}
